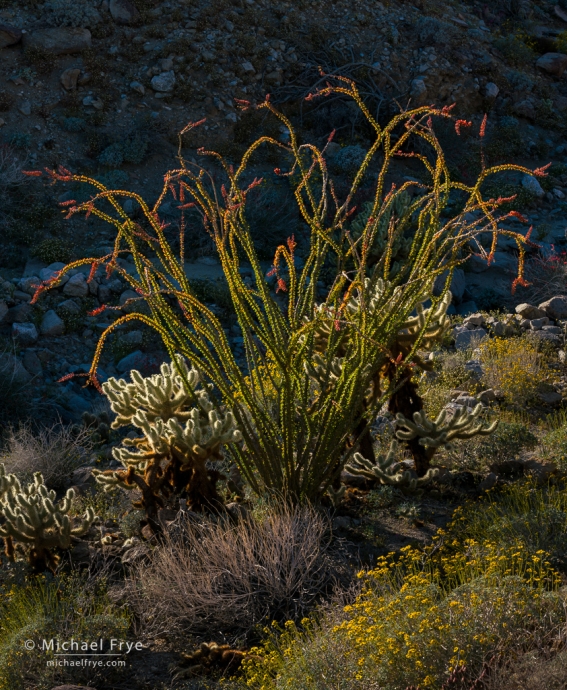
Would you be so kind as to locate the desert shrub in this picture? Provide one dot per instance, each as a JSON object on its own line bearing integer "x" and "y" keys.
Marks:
{"x": 53, "y": 249}
{"x": 515, "y": 50}
{"x": 505, "y": 443}
{"x": 211, "y": 576}
{"x": 547, "y": 276}
{"x": 521, "y": 513}
{"x": 514, "y": 366}
{"x": 54, "y": 451}
{"x": 60, "y": 609}
{"x": 112, "y": 156}
{"x": 418, "y": 621}
{"x": 555, "y": 447}
{"x": 322, "y": 350}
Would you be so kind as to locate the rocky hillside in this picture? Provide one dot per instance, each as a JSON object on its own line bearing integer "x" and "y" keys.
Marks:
{"x": 103, "y": 88}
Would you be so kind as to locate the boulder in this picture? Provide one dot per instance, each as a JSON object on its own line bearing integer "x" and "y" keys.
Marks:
{"x": 474, "y": 319}
{"x": 25, "y": 333}
{"x": 9, "y": 35}
{"x": 552, "y": 63}
{"x": 29, "y": 285}
{"x": 477, "y": 263}
{"x": 538, "y": 324}
{"x": 124, "y": 12}
{"x": 528, "y": 311}
{"x": 63, "y": 40}
{"x": 21, "y": 313}
{"x": 467, "y": 308}
{"x": 457, "y": 287}
{"x": 52, "y": 325}
{"x": 532, "y": 185}
{"x": 76, "y": 286}
{"x": 134, "y": 360}
{"x": 555, "y": 308}
{"x": 466, "y": 340}
{"x": 133, "y": 306}
{"x": 70, "y": 306}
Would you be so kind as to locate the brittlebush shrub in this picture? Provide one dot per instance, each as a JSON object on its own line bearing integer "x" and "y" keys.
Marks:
{"x": 514, "y": 366}
{"x": 416, "y": 624}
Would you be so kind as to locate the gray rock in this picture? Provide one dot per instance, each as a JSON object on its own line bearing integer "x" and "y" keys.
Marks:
{"x": 489, "y": 482}
{"x": 487, "y": 396}
{"x": 134, "y": 360}
{"x": 164, "y": 82}
{"x": 528, "y": 311}
{"x": 540, "y": 337}
{"x": 25, "y": 333}
{"x": 532, "y": 185}
{"x": 9, "y": 35}
{"x": 25, "y": 107}
{"x": 133, "y": 338}
{"x": 104, "y": 294}
{"x": 537, "y": 324}
{"x": 477, "y": 264}
{"x": 76, "y": 286}
{"x": 467, "y": 308}
{"x": 491, "y": 90}
{"x": 128, "y": 295}
{"x": 77, "y": 404}
{"x": 418, "y": 88}
{"x": 552, "y": 63}
{"x": 48, "y": 274}
{"x": 552, "y": 329}
{"x": 29, "y": 285}
{"x": 32, "y": 363}
{"x": 124, "y": 12}
{"x": 469, "y": 339}
{"x": 555, "y": 308}
{"x": 475, "y": 319}
{"x": 52, "y": 325}
{"x": 70, "y": 306}
{"x": 63, "y": 40}
{"x": 137, "y": 86}
{"x": 3, "y": 310}
{"x": 457, "y": 287}
{"x": 21, "y": 313}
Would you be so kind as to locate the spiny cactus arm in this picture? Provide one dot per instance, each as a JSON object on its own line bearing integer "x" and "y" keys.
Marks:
{"x": 336, "y": 496}
{"x": 111, "y": 480}
{"x": 84, "y": 523}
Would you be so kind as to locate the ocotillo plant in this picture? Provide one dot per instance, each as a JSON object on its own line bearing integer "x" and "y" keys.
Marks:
{"x": 299, "y": 446}
{"x": 32, "y": 517}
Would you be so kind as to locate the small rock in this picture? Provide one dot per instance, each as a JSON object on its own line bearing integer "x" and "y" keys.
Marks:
{"x": 418, "y": 88}
{"x": 552, "y": 63}
{"x": 532, "y": 185}
{"x": 133, "y": 306}
{"x": 52, "y": 325}
{"x": 537, "y": 324}
{"x": 124, "y": 12}
{"x": 25, "y": 107}
{"x": 457, "y": 287}
{"x": 9, "y": 35}
{"x": 163, "y": 82}
{"x": 133, "y": 338}
{"x": 76, "y": 286}
{"x": 64, "y": 40}
{"x": 525, "y": 109}
{"x": 556, "y": 330}
{"x": 25, "y": 333}
{"x": 69, "y": 78}
{"x": 489, "y": 482}
{"x": 32, "y": 363}
{"x": 137, "y": 86}
{"x": 469, "y": 339}
{"x": 491, "y": 90}
{"x": 487, "y": 396}
{"x": 48, "y": 274}
{"x": 528, "y": 311}
{"x": 248, "y": 68}
{"x": 555, "y": 308}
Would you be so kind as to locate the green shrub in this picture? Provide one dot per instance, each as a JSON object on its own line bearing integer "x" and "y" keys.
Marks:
{"x": 58, "y": 609}
{"x": 53, "y": 249}
{"x": 555, "y": 447}
{"x": 515, "y": 50}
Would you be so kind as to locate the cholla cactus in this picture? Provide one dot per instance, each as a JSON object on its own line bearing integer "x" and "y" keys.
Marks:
{"x": 181, "y": 430}
{"x": 32, "y": 517}
{"x": 387, "y": 471}
{"x": 439, "y": 433}
{"x": 414, "y": 327}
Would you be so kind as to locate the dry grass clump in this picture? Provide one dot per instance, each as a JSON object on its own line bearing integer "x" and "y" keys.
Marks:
{"x": 514, "y": 366}
{"x": 547, "y": 276}
{"x": 54, "y": 451}
{"x": 218, "y": 576}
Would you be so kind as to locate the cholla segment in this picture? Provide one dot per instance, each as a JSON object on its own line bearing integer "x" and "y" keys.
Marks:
{"x": 441, "y": 431}
{"x": 388, "y": 471}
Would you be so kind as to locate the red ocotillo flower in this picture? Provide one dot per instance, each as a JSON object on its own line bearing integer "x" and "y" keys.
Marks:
{"x": 483, "y": 125}
{"x": 281, "y": 285}
{"x": 461, "y": 123}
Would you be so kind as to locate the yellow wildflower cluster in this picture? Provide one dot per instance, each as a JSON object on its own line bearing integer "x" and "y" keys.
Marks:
{"x": 421, "y": 615}
{"x": 514, "y": 366}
